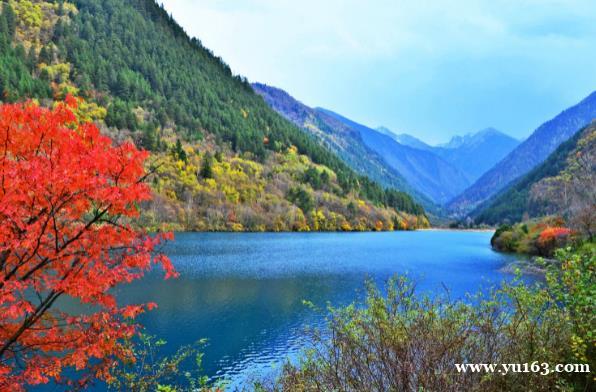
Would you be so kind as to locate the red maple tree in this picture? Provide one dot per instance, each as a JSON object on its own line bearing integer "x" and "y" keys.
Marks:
{"x": 552, "y": 238}
{"x": 68, "y": 198}
{"x": 551, "y": 233}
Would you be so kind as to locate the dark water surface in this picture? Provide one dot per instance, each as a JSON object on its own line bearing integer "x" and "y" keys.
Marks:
{"x": 244, "y": 292}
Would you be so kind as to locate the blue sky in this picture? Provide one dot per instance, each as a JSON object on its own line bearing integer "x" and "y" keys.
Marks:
{"x": 433, "y": 69}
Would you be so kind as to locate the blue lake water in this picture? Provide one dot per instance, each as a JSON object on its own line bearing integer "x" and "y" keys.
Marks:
{"x": 244, "y": 292}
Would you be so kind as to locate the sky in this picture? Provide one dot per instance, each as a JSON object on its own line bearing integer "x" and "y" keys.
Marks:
{"x": 433, "y": 69}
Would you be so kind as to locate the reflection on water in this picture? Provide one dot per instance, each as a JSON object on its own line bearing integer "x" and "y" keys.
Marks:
{"x": 245, "y": 292}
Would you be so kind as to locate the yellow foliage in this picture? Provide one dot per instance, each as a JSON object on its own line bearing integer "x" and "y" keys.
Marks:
{"x": 389, "y": 225}
{"x": 231, "y": 193}
{"x": 90, "y": 111}
{"x": 171, "y": 194}
{"x": 28, "y": 13}
{"x": 87, "y": 111}
{"x": 210, "y": 182}
{"x": 361, "y": 225}
{"x": 422, "y": 221}
{"x": 56, "y": 72}
{"x": 68, "y": 7}
{"x": 245, "y": 195}
{"x": 61, "y": 90}
{"x": 318, "y": 220}
{"x": 36, "y": 20}
{"x": 279, "y": 224}
{"x": 237, "y": 227}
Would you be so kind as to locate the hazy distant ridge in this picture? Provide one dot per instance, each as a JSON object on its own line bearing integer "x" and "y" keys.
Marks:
{"x": 528, "y": 154}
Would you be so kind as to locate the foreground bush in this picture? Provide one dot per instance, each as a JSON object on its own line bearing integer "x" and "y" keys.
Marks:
{"x": 403, "y": 342}
{"x": 151, "y": 370}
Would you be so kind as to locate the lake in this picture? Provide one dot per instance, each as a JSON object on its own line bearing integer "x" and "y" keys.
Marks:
{"x": 244, "y": 292}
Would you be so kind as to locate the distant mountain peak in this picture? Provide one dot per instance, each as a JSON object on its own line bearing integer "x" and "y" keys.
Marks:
{"x": 489, "y": 131}
{"x": 527, "y": 155}
{"x": 439, "y": 173}
{"x": 338, "y": 134}
{"x": 404, "y": 139}
{"x": 386, "y": 131}
{"x": 475, "y": 138}
{"x": 455, "y": 141}
{"x": 424, "y": 170}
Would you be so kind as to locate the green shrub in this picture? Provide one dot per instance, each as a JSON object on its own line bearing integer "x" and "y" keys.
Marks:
{"x": 405, "y": 342}
{"x": 152, "y": 371}
{"x": 538, "y": 237}
{"x": 302, "y": 198}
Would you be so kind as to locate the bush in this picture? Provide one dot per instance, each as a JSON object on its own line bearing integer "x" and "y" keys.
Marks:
{"x": 552, "y": 238}
{"x": 151, "y": 370}
{"x": 535, "y": 237}
{"x": 405, "y": 342}
{"x": 299, "y": 196}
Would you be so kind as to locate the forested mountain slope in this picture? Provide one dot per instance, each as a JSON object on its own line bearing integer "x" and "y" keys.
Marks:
{"x": 527, "y": 155}
{"x": 565, "y": 181}
{"x": 424, "y": 170}
{"x": 345, "y": 141}
{"x": 143, "y": 78}
{"x": 400, "y": 161}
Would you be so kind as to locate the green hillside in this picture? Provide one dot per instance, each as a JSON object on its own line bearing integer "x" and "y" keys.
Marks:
{"x": 522, "y": 199}
{"x": 16, "y": 64}
{"x": 144, "y": 79}
{"x": 345, "y": 141}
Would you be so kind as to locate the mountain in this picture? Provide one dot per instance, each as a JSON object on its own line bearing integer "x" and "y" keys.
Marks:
{"x": 224, "y": 160}
{"x": 386, "y": 131}
{"x": 535, "y": 194}
{"x": 457, "y": 141}
{"x": 424, "y": 170}
{"x": 376, "y": 153}
{"x": 474, "y": 154}
{"x": 533, "y": 151}
{"x": 345, "y": 141}
{"x": 405, "y": 139}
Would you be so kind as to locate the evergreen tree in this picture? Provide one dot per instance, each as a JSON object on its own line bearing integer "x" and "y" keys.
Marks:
{"x": 10, "y": 18}
{"x": 31, "y": 58}
{"x": 46, "y": 54}
{"x": 179, "y": 152}
{"x": 207, "y": 168}
{"x": 133, "y": 54}
{"x": 301, "y": 198}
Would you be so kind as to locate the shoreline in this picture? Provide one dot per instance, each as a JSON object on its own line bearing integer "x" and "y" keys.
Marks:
{"x": 332, "y": 231}
{"x": 451, "y": 229}
{"x": 528, "y": 266}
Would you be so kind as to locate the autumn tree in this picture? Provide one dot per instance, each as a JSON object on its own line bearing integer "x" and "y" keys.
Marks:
{"x": 573, "y": 191}
{"x": 68, "y": 200}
